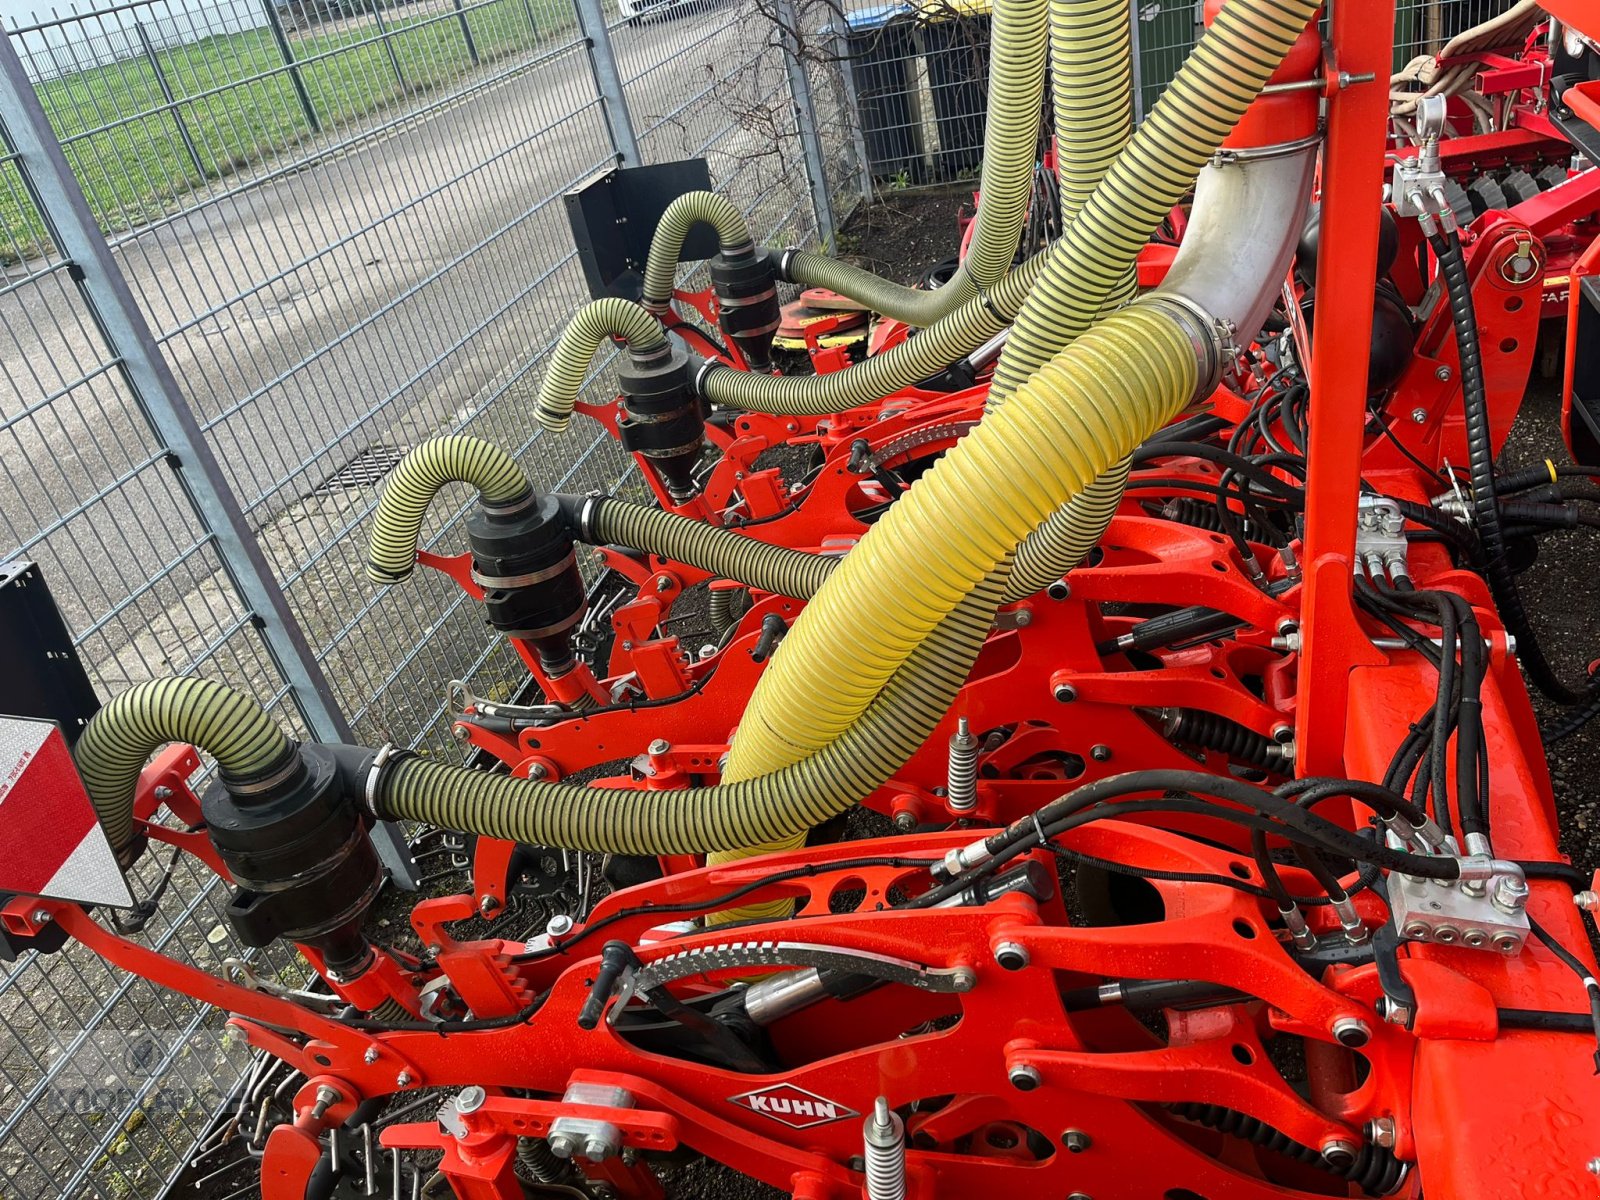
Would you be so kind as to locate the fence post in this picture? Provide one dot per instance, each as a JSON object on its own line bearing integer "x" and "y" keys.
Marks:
{"x": 852, "y": 105}
{"x": 608, "y": 82}
{"x": 383, "y": 36}
{"x": 61, "y": 203}
{"x": 466, "y": 33}
{"x": 270, "y": 7}
{"x": 805, "y": 112}
{"x": 1135, "y": 44}
{"x": 166, "y": 94}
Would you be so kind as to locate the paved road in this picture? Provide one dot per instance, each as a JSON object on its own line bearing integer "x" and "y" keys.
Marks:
{"x": 364, "y": 299}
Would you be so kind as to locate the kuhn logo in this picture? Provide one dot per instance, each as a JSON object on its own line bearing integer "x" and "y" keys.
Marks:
{"x": 792, "y": 1106}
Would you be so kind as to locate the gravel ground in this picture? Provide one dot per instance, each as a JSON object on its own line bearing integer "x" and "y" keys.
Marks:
{"x": 909, "y": 232}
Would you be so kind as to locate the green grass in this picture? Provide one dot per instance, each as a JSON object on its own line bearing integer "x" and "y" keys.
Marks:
{"x": 135, "y": 167}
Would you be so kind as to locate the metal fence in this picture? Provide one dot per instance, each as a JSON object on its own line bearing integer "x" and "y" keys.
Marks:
{"x": 252, "y": 251}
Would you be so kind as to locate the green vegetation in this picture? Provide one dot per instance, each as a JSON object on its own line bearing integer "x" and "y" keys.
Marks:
{"x": 238, "y": 100}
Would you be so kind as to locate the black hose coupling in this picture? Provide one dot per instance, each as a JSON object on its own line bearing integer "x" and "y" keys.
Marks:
{"x": 663, "y": 417}
{"x": 745, "y": 281}
{"x": 295, "y": 841}
{"x": 525, "y": 559}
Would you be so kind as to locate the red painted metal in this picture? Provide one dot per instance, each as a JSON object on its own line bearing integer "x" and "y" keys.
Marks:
{"x": 1054, "y": 704}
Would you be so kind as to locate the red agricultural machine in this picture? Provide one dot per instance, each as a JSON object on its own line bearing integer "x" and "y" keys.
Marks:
{"x": 1111, "y": 774}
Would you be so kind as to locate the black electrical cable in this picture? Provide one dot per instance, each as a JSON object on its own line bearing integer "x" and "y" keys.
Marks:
{"x": 1485, "y": 506}
{"x": 1573, "y": 963}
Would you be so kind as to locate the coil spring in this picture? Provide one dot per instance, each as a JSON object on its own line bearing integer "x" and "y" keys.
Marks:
{"x": 538, "y": 1163}
{"x": 885, "y": 1154}
{"x": 389, "y": 1012}
{"x": 962, "y": 781}
{"x": 1374, "y": 1169}
{"x": 1202, "y": 514}
{"x": 1214, "y": 732}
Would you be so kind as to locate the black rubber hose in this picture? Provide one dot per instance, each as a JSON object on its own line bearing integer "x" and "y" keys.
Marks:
{"x": 1480, "y": 461}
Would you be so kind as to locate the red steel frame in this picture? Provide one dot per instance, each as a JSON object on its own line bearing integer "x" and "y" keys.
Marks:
{"x": 1485, "y": 1111}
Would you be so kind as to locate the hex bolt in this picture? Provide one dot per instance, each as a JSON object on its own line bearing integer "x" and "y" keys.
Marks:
{"x": 663, "y": 581}
{"x": 1511, "y": 893}
{"x": 470, "y": 1099}
{"x": 597, "y": 1149}
{"x": 563, "y": 1145}
{"x": 559, "y": 926}
{"x": 1339, "y": 1152}
{"x": 1381, "y": 1132}
{"x": 1419, "y": 416}
{"x": 1058, "y": 590}
{"x": 371, "y": 1056}
{"x": 1011, "y": 955}
{"x": 1076, "y": 1140}
{"x": 403, "y": 1079}
{"x": 487, "y": 905}
{"x": 1443, "y": 374}
{"x": 1079, "y": 1196}
{"x": 460, "y": 732}
{"x": 1589, "y": 901}
{"x": 1100, "y": 753}
{"x": 1025, "y": 1077}
{"x": 163, "y": 792}
{"x": 1352, "y": 1032}
{"x": 1593, "y": 1166}
{"x": 327, "y": 1097}
{"x": 905, "y": 821}
{"x": 1065, "y": 693}
{"x": 659, "y": 746}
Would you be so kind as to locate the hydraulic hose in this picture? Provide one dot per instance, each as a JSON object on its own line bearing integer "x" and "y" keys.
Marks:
{"x": 757, "y": 810}
{"x": 1243, "y": 48}
{"x": 598, "y": 520}
{"x": 1480, "y": 459}
{"x": 1067, "y": 286}
{"x": 1083, "y": 412}
{"x": 228, "y": 725}
{"x": 412, "y": 486}
{"x": 666, "y": 245}
{"x": 1091, "y": 60}
{"x": 1016, "y": 94}
{"x": 1091, "y": 81}
{"x": 247, "y": 744}
{"x": 580, "y": 342}
{"x": 725, "y": 554}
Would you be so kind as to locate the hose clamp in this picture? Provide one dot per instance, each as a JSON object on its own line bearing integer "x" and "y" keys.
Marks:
{"x": 258, "y": 785}
{"x": 514, "y": 505}
{"x": 785, "y": 257}
{"x": 527, "y": 580}
{"x": 380, "y": 761}
{"x": 700, "y": 375}
{"x": 586, "y": 511}
{"x": 1227, "y": 157}
{"x": 1207, "y": 335}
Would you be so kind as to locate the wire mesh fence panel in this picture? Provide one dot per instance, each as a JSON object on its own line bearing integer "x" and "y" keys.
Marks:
{"x": 723, "y": 95}
{"x": 105, "y": 1081}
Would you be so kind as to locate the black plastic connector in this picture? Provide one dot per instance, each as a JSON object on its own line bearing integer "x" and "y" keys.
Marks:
{"x": 745, "y": 282}
{"x": 295, "y": 841}
{"x": 524, "y": 558}
{"x": 663, "y": 418}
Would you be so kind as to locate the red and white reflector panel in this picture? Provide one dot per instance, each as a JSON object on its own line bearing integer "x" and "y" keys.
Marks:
{"x": 51, "y": 843}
